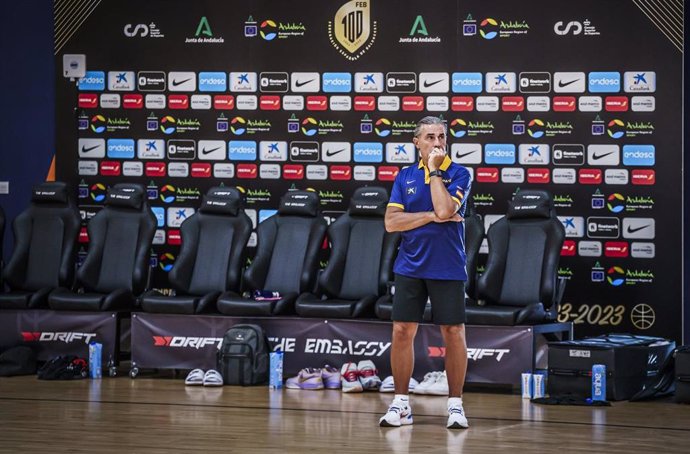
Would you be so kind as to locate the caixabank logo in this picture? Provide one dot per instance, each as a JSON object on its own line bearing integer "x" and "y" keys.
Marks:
{"x": 241, "y": 125}
{"x": 352, "y": 31}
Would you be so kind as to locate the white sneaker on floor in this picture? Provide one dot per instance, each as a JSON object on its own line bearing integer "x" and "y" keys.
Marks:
{"x": 399, "y": 414}
{"x": 368, "y": 375}
{"x": 456, "y": 417}
{"x": 388, "y": 385}
{"x": 349, "y": 378}
{"x": 429, "y": 379}
{"x": 440, "y": 386}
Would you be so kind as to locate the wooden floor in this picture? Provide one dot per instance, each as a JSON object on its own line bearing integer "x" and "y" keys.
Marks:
{"x": 162, "y": 415}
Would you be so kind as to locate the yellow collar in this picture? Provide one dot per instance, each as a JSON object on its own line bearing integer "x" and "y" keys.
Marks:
{"x": 444, "y": 166}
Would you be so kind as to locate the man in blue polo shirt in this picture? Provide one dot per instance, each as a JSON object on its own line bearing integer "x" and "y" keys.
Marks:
{"x": 427, "y": 205}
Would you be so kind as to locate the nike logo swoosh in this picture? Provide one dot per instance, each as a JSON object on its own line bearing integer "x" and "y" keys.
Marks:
{"x": 86, "y": 150}
{"x": 330, "y": 153}
{"x": 410, "y": 181}
{"x": 631, "y": 230}
{"x": 600, "y": 156}
{"x": 300, "y": 83}
{"x": 428, "y": 84}
{"x": 204, "y": 151}
{"x": 562, "y": 84}
{"x": 175, "y": 83}
{"x": 460, "y": 156}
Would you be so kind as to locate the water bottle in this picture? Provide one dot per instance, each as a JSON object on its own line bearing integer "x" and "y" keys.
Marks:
{"x": 275, "y": 378}
{"x": 95, "y": 358}
{"x": 598, "y": 382}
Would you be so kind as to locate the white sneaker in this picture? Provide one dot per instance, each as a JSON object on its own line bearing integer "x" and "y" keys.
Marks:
{"x": 368, "y": 375}
{"x": 388, "y": 386}
{"x": 399, "y": 414}
{"x": 440, "y": 386}
{"x": 456, "y": 417}
{"x": 349, "y": 379}
{"x": 429, "y": 379}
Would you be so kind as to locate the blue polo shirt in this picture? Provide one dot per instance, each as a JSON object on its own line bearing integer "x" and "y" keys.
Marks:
{"x": 435, "y": 250}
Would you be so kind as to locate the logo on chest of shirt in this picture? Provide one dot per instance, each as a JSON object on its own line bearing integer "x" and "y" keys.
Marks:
{"x": 411, "y": 190}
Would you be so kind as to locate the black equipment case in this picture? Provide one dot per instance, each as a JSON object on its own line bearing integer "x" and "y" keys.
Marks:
{"x": 683, "y": 374}
{"x": 632, "y": 363}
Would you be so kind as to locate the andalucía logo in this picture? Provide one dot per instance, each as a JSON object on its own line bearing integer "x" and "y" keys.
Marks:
{"x": 270, "y": 30}
{"x": 615, "y": 203}
{"x": 241, "y": 125}
{"x": 382, "y": 127}
{"x": 167, "y": 124}
{"x": 352, "y": 32}
{"x": 167, "y": 193}
{"x": 488, "y": 28}
{"x": 98, "y": 123}
{"x": 98, "y": 192}
{"x": 166, "y": 261}
{"x": 615, "y": 276}
{"x": 311, "y": 126}
{"x": 616, "y": 129}
{"x": 491, "y": 28}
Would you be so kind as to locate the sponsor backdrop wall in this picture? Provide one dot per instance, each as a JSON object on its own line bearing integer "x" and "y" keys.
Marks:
{"x": 583, "y": 99}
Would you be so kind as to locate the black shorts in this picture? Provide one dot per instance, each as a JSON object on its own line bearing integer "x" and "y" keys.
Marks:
{"x": 447, "y": 300}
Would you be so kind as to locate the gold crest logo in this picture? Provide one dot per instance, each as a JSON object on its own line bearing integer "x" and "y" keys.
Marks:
{"x": 352, "y": 31}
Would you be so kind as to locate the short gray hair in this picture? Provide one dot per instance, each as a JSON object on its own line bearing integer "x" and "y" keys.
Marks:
{"x": 428, "y": 121}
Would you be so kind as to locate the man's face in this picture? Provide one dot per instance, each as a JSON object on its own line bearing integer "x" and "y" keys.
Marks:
{"x": 430, "y": 137}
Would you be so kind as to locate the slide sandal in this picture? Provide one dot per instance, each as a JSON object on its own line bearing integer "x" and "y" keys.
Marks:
{"x": 195, "y": 378}
{"x": 213, "y": 378}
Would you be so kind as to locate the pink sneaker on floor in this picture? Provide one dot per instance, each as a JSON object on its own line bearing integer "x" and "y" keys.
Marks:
{"x": 331, "y": 377}
{"x": 306, "y": 379}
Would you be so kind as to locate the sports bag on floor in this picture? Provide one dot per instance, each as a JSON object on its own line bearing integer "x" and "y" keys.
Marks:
{"x": 243, "y": 356}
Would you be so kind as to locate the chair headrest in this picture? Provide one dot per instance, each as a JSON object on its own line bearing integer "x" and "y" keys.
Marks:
{"x": 222, "y": 200}
{"x": 370, "y": 201}
{"x": 530, "y": 203}
{"x": 49, "y": 192}
{"x": 125, "y": 195}
{"x": 299, "y": 203}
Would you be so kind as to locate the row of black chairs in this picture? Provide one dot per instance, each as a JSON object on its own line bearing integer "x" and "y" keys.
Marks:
{"x": 519, "y": 285}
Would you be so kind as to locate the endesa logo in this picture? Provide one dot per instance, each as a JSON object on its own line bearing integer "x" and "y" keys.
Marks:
{"x": 643, "y": 177}
{"x": 341, "y": 173}
{"x": 52, "y": 336}
{"x": 92, "y": 81}
{"x": 187, "y": 342}
{"x": 590, "y": 176}
{"x": 487, "y": 175}
{"x": 604, "y": 82}
{"x": 639, "y": 155}
{"x": 336, "y": 82}
{"x": 467, "y": 82}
